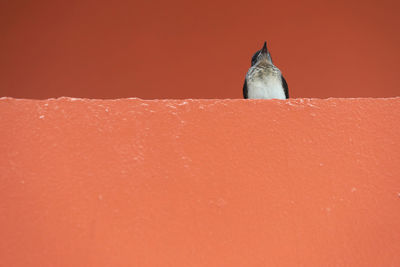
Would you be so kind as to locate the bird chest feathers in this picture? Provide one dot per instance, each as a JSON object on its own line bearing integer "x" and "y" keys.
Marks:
{"x": 265, "y": 83}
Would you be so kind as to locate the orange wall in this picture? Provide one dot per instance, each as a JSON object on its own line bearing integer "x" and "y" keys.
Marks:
{"x": 302, "y": 182}
{"x": 196, "y": 49}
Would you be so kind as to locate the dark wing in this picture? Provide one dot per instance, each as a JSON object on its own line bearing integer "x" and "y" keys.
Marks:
{"x": 245, "y": 89}
{"x": 285, "y": 87}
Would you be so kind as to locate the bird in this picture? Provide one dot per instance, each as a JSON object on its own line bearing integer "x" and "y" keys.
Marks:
{"x": 263, "y": 79}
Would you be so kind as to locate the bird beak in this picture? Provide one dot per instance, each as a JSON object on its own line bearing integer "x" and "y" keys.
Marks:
{"x": 264, "y": 50}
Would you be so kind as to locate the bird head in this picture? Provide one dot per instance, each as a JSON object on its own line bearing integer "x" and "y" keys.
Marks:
{"x": 262, "y": 55}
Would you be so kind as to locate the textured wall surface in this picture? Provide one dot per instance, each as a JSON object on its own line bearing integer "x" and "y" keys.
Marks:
{"x": 304, "y": 182}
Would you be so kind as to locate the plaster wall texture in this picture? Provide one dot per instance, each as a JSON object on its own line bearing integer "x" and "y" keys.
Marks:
{"x": 128, "y": 182}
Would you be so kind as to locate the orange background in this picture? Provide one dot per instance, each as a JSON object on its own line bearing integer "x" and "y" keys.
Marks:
{"x": 200, "y": 183}
{"x": 202, "y": 49}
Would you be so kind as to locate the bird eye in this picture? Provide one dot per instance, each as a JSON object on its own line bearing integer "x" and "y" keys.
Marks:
{"x": 255, "y": 58}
